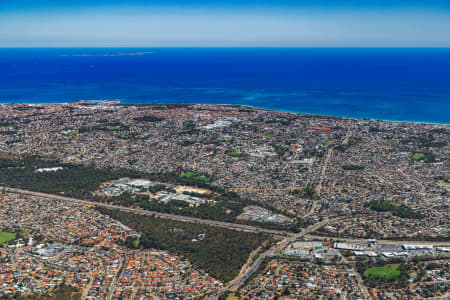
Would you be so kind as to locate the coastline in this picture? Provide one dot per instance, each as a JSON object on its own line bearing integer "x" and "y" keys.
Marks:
{"x": 343, "y": 117}
{"x": 127, "y": 102}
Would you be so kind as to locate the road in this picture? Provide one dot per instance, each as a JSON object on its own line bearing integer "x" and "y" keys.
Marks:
{"x": 88, "y": 287}
{"x": 319, "y": 186}
{"x": 384, "y": 242}
{"x": 234, "y": 226}
{"x": 243, "y": 276}
{"x": 117, "y": 276}
{"x": 359, "y": 279}
{"x": 228, "y": 225}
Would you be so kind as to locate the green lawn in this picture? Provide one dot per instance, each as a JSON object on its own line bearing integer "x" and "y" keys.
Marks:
{"x": 232, "y": 296}
{"x": 6, "y": 237}
{"x": 195, "y": 176}
{"x": 388, "y": 272}
{"x": 235, "y": 154}
{"x": 73, "y": 132}
{"x": 419, "y": 156}
{"x": 270, "y": 134}
{"x": 424, "y": 157}
{"x": 111, "y": 128}
{"x": 114, "y": 128}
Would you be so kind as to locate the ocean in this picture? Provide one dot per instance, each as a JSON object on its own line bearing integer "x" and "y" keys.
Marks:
{"x": 387, "y": 84}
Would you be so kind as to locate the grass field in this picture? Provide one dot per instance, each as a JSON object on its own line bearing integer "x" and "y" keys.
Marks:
{"x": 73, "y": 132}
{"x": 232, "y": 296}
{"x": 111, "y": 128}
{"x": 6, "y": 237}
{"x": 114, "y": 128}
{"x": 235, "y": 154}
{"x": 419, "y": 156}
{"x": 270, "y": 134}
{"x": 424, "y": 157}
{"x": 388, "y": 272}
{"x": 196, "y": 177}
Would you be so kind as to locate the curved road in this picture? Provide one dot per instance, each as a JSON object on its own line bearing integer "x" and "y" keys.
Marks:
{"x": 242, "y": 277}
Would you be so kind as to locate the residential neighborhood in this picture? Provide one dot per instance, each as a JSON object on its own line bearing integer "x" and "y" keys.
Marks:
{"x": 340, "y": 200}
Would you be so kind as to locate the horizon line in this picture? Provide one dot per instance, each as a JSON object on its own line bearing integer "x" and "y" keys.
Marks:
{"x": 236, "y": 47}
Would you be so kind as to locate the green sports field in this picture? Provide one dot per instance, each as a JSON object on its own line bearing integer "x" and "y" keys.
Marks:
{"x": 388, "y": 272}
{"x": 6, "y": 237}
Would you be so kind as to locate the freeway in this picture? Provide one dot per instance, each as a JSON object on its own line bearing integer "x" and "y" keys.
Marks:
{"x": 236, "y": 283}
{"x": 305, "y": 233}
{"x": 243, "y": 276}
{"x": 383, "y": 242}
{"x": 228, "y": 225}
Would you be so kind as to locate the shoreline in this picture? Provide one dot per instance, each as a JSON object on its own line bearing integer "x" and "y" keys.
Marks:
{"x": 340, "y": 116}
{"x": 122, "y": 101}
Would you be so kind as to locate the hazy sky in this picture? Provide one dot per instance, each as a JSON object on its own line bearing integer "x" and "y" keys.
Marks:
{"x": 116, "y": 23}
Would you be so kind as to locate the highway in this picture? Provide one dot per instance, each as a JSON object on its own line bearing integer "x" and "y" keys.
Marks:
{"x": 236, "y": 283}
{"x": 228, "y": 225}
{"x": 243, "y": 276}
{"x": 292, "y": 236}
{"x": 384, "y": 242}
{"x": 234, "y": 226}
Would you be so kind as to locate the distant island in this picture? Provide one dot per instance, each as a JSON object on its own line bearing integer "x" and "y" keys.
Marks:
{"x": 107, "y": 54}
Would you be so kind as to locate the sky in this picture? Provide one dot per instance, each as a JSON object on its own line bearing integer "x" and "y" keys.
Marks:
{"x": 224, "y": 23}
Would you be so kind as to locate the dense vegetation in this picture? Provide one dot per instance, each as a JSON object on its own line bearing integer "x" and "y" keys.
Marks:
{"x": 423, "y": 141}
{"x": 189, "y": 125}
{"x": 7, "y": 163}
{"x": 280, "y": 149}
{"x": 227, "y": 207}
{"x": 445, "y": 180}
{"x": 347, "y": 145}
{"x": 73, "y": 180}
{"x": 398, "y": 273}
{"x": 110, "y": 128}
{"x": 6, "y": 124}
{"x": 426, "y": 157}
{"x": 307, "y": 192}
{"x": 440, "y": 130}
{"x": 220, "y": 252}
{"x": 295, "y": 226}
{"x": 352, "y": 167}
{"x": 71, "y": 133}
{"x": 61, "y": 292}
{"x": 150, "y": 118}
{"x": 234, "y": 154}
{"x": 80, "y": 181}
{"x": 401, "y": 211}
{"x": 194, "y": 178}
{"x": 381, "y": 272}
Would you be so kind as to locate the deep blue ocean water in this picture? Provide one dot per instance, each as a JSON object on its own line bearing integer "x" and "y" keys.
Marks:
{"x": 389, "y": 84}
